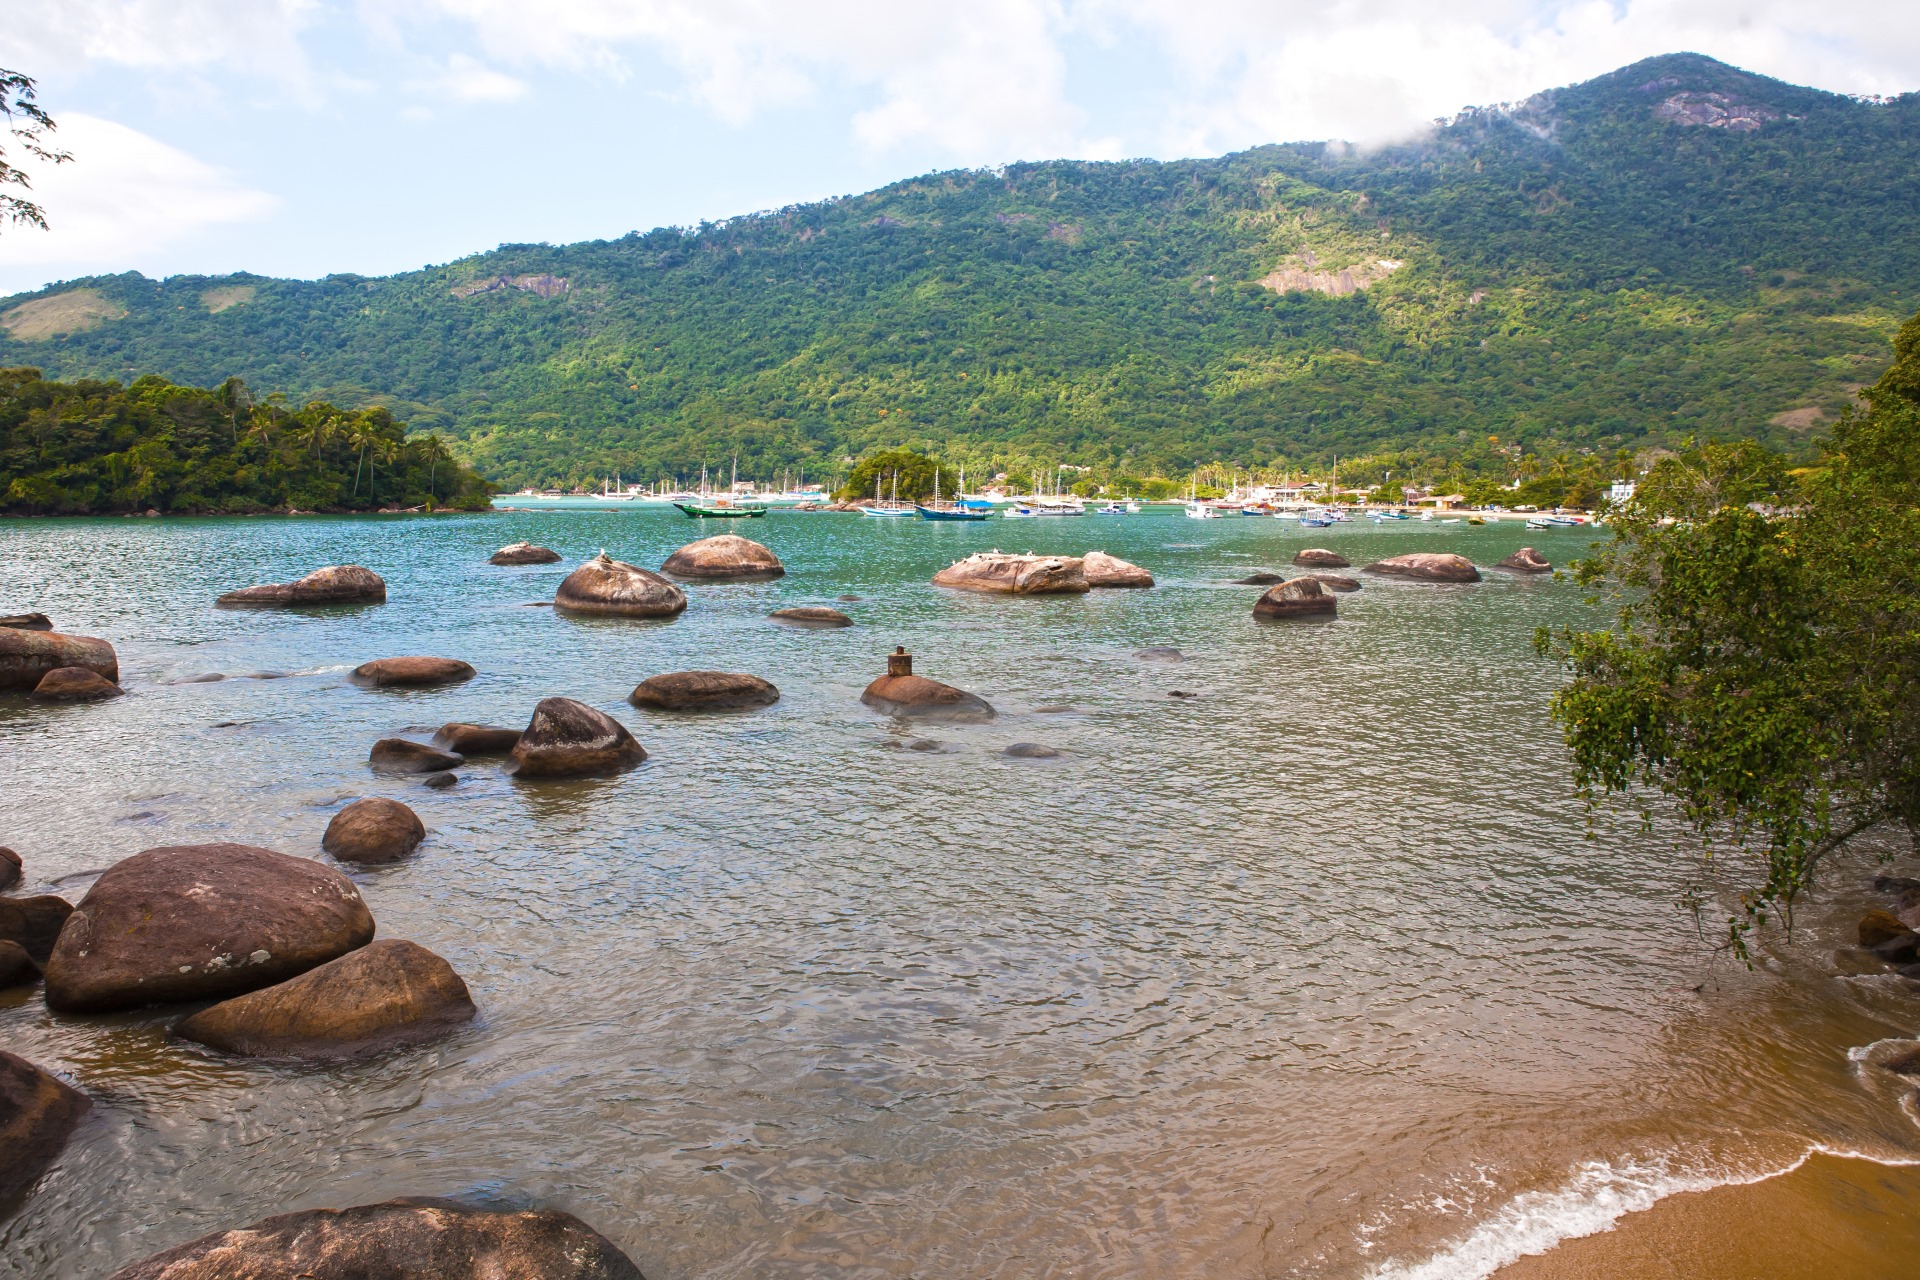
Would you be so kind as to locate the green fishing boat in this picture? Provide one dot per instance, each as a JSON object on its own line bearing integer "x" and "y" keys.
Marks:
{"x": 698, "y": 512}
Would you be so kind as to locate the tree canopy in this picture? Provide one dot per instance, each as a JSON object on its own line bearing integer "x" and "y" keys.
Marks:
{"x": 29, "y": 124}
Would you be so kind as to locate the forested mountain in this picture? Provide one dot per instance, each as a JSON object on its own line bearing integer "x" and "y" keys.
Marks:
{"x": 1676, "y": 249}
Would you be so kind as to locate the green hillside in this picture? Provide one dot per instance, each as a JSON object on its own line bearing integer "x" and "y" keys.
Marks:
{"x": 1675, "y": 249}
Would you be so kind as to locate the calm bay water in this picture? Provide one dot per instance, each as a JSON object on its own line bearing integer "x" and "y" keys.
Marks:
{"x": 1313, "y": 974}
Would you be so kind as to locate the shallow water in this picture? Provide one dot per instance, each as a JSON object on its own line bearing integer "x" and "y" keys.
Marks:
{"x": 1313, "y": 974}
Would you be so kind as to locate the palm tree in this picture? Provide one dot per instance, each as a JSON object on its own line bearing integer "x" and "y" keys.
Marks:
{"x": 235, "y": 399}
{"x": 434, "y": 450}
{"x": 361, "y": 434}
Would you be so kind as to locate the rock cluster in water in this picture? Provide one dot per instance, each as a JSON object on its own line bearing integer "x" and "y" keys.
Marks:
{"x": 1296, "y": 600}
{"x": 1103, "y": 570}
{"x": 26, "y": 657}
{"x": 725, "y": 557}
{"x": 1425, "y": 566}
{"x": 703, "y": 691}
{"x": 524, "y": 553}
{"x": 1331, "y": 581}
{"x": 568, "y": 739}
{"x": 992, "y": 571}
{"x": 615, "y": 588}
{"x": 334, "y": 584}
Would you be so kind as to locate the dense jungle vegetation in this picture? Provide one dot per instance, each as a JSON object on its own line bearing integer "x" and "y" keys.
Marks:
{"x": 1678, "y": 251}
{"x": 93, "y": 447}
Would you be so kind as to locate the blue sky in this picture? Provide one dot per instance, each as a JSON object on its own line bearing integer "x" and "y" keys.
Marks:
{"x": 301, "y": 137}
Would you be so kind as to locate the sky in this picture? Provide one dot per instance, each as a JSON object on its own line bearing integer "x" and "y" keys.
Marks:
{"x": 306, "y": 137}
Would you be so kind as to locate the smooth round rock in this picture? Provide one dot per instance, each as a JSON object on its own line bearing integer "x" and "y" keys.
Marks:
{"x": 26, "y": 657}
{"x": 1298, "y": 599}
{"x": 34, "y": 923}
{"x": 998, "y": 574}
{"x": 725, "y": 557}
{"x": 1321, "y": 558}
{"x": 373, "y": 830}
{"x": 569, "y": 739}
{"x": 74, "y": 684}
{"x": 1261, "y": 579}
{"x": 917, "y": 697}
{"x": 1103, "y": 570}
{"x": 201, "y": 922}
{"x": 10, "y": 867}
{"x": 1427, "y": 566}
{"x": 1526, "y": 560}
{"x": 440, "y": 781}
{"x": 387, "y": 994}
{"x": 614, "y": 588}
{"x": 27, "y": 621}
{"x": 1030, "y": 751}
{"x": 399, "y": 755}
{"x": 476, "y": 739}
{"x": 398, "y": 1240}
{"x": 815, "y": 616}
{"x": 1160, "y": 653}
{"x": 412, "y": 671}
{"x": 17, "y": 968}
{"x": 703, "y": 691}
{"x": 524, "y": 553}
{"x": 38, "y": 1113}
{"x": 334, "y": 584}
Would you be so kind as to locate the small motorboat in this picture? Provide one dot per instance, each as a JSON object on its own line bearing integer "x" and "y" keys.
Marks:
{"x": 1019, "y": 511}
{"x": 1201, "y": 511}
{"x": 950, "y": 513}
{"x": 1111, "y": 509}
{"x": 1315, "y": 522}
{"x": 1538, "y": 524}
{"x": 695, "y": 511}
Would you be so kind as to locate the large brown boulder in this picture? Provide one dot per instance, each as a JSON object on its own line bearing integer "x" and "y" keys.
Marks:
{"x": 200, "y": 922}
{"x": 476, "y": 739}
{"x": 1880, "y": 925}
{"x": 27, "y": 621}
{"x": 399, "y": 755}
{"x": 902, "y": 693}
{"x": 1295, "y": 600}
{"x": 373, "y": 830}
{"x": 397, "y": 1240}
{"x": 1526, "y": 560}
{"x": 34, "y": 923}
{"x": 9, "y": 868}
{"x": 1426, "y": 566}
{"x": 27, "y": 656}
{"x": 568, "y": 739}
{"x": 1321, "y": 558}
{"x": 386, "y": 994}
{"x": 383, "y": 672}
{"x": 993, "y": 571}
{"x": 335, "y": 584}
{"x": 17, "y": 968}
{"x": 1103, "y": 570}
{"x": 814, "y": 616}
{"x": 725, "y": 557}
{"x": 618, "y": 589}
{"x": 74, "y": 684}
{"x": 703, "y": 691}
{"x": 37, "y": 1115}
{"x": 524, "y": 553}
{"x": 1332, "y": 581}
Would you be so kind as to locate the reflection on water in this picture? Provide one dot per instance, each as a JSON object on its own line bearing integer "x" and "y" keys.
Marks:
{"x": 1311, "y": 974}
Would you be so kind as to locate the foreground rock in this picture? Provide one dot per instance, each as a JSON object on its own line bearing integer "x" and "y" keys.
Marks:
{"x": 524, "y": 553}
{"x": 386, "y": 994}
{"x": 1526, "y": 560}
{"x": 1296, "y": 600}
{"x": 1424, "y": 566}
{"x": 373, "y": 830}
{"x": 568, "y": 739}
{"x": 901, "y": 693}
{"x": 1332, "y": 581}
{"x": 27, "y": 622}
{"x": 37, "y": 1115}
{"x": 993, "y": 571}
{"x": 17, "y": 968}
{"x": 617, "y": 589}
{"x": 476, "y": 739}
{"x": 816, "y": 616}
{"x": 1321, "y": 558}
{"x": 74, "y": 684}
{"x": 9, "y": 868}
{"x": 386, "y": 672}
{"x": 200, "y": 922}
{"x": 725, "y": 557}
{"x": 703, "y": 691}
{"x": 335, "y": 584}
{"x": 27, "y": 656}
{"x": 34, "y": 924}
{"x": 1103, "y": 570}
{"x": 397, "y": 1240}
{"x": 398, "y": 755}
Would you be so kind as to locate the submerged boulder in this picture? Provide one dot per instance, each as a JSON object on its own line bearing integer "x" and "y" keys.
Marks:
{"x": 27, "y": 621}
{"x": 373, "y": 830}
{"x": 1321, "y": 558}
{"x": 1332, "y": 581}
{"x": 17, "y": 968}
{"x": 27, "y": 656}
{"x": 1299, "y": 598}
{"x": 37, "y": 1115}
{"x": 199, "y": 922}
{"x": 615, "y": 588}
{"x": 993, "y": 571}
{"x": 386, "y": 994}
{"x": 335, "y": 584}
{"x": 568, "y": 739}
{"x": 1427, "y": 566}
{"x": 1103, "y": 570}
{"x": 1160, "y": 653}
{"x": 815, "y": 616}
{"x": 725, "y": 557}
{"x": 74, "y": 684}
{"x": 1526, "y": 560}
{"x": 476, "y": 739}
{"x": 524, "y": 553}
{"x": 703, "y": 691}
{"x": 34, "y": 923}
{"x": 414, "y": 672}
{"x": 901, "y": 693}
{"x": 1262, "y": 579}
{"x": 399, "y": 755}
{"x": 1030, "y": 751}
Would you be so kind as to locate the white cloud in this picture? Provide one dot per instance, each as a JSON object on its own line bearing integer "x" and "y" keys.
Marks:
{"x": 240, "y": 35}
{"x": 469, "y": 80}
{"x": 123, "y": 195}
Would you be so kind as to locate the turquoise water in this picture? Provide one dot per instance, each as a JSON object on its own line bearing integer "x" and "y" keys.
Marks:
{"x": 1302, "y": 975}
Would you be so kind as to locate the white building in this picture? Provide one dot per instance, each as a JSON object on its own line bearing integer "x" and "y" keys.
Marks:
{"x": 1620, "y": 493}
